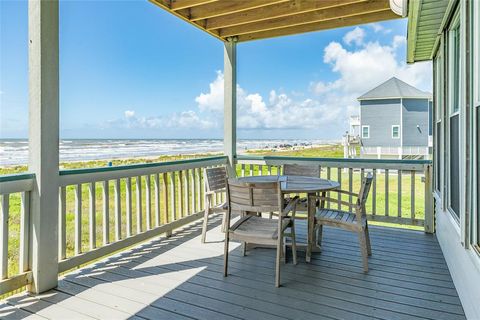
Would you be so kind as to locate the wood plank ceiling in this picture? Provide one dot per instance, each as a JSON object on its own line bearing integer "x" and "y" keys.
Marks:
{"x": 246, "y": 20}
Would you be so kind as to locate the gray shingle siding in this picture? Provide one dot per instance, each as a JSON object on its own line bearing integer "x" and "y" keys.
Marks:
{"x": 380, "y": 115}
{"x": 415, "y": 113}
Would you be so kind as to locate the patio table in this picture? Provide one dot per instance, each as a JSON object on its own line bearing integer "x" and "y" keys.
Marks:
{"x": 300, "y": 184}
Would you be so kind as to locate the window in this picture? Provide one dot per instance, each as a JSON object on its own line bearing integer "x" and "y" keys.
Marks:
{"x": 476, "y": 125}
{"x": 396, "y": 132}
{"x": 439, "y": 103}
{"x": 365, "y": 132}
{"x": 454, "y": 99}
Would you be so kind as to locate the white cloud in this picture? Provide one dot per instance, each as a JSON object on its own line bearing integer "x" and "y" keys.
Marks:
{"x": 356, "y": 36}
{"x": 377, "y": 27}
{"x": 398, "y": 41}
{"x": 213, "y": 100}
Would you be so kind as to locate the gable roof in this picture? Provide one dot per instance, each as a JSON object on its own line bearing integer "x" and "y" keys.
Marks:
{"x": 395, "y": 88}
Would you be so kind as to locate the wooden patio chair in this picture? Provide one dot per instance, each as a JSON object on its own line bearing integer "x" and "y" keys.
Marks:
{"x": 215, "y": 182}
{"x": 252, "y": 198}
{"x": 305, "y": 171}
{"x": 354, "y": 221}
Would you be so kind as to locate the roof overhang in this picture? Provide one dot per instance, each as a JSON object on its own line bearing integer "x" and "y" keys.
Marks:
{"x": 259, "y": 19}
{"x": 426, "y": 20}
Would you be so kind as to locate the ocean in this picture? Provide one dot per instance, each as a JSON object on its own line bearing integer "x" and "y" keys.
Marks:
{"x": 15, "y": 151}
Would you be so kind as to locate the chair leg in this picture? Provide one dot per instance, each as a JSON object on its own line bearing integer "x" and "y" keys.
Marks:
{"x": 367, "y": 237}
{"x": 277, "y": 262}
{"x": 294, "y": 244}
{"x": 225, "y": 255}
{"x": 363, "y": 248}
{"x": 205, "y": 223}
{"x": 224, "y": 222}
{"x": 270, "y": 215}
{"x": 319, "y": 235}
{"x": 244, "y": 248}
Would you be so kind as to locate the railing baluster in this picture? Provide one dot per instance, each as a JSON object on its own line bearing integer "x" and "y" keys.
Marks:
{"x": 156, "y": 182}
{"x": 328, "y": 178}
{"x": 269, "y": 170}
{"x": 399, "y": 194}
{"x": 386, "y": 193}
{"x": 350, "y": 186}
{"x": 374, "y": 193}
{"x": 251, "y": 169}
{"x": 148, "y": 207}
{"x": 243, "y": 170}
{"x": 186, "y": 194}
{"x": 106, "y": 212}
{"x": 339, "y": 179}
{"x": 165, "y": 199}
{"x": 62, "y": 223}
{"x": 24, "y": 264}
{"x": 199, "y": 188}
{"x": 128, "y": 200}
{"x": 180, "y": 194}
{"x": 138, "y": 190}
{"x": 173, "y": 197}
{"x": 118, "y": 210}
{"x": 92, "y": 227}
{"x": 412, "y": 195}
{"x": 362, "y": 174}
{"x": 4, "y": 207}
{"x": 78, "y": 219}
{"x": 193, "y": 191}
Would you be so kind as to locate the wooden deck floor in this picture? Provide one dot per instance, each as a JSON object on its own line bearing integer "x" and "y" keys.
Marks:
{"x": 179, "y": 278}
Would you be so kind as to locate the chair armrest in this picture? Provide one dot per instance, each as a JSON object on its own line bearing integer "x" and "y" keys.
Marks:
{"x": 345, "y": 192}
{"x": 291, "y": 206}
{"x": 328, "y": 199}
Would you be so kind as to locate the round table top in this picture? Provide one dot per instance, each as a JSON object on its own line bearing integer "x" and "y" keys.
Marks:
{"x": 296, "y": 184}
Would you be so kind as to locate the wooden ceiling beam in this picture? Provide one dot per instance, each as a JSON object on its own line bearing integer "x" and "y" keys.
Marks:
{"x": 322, "y": 25}
{"x": 185, "y": 4}
{"x": 308, "y": 17}
{"x": 227, "y": 7}
{"x": 273, "y": 11}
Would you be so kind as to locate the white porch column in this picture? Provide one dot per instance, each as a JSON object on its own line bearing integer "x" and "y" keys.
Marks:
{"x": 43, "y": 141}
{"x": 230, "y": 104}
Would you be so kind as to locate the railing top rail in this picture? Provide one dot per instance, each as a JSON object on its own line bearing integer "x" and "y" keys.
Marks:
{"x": 16, "y": 177}
{"x": 19, "y": 182}
{"x": 140, "y": 166}
{"x": 342, "y": 162}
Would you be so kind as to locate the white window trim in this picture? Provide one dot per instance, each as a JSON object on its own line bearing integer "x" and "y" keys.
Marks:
{"x": 476, "y": 53}
{"x": 396, "y": 126}
{"x": 368, "y": 131}
{"x": 450, "y": 114}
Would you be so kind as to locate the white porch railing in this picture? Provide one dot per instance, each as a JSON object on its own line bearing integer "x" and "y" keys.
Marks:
{"x": 101, "y": 211}
{"x": 401, "y": 189}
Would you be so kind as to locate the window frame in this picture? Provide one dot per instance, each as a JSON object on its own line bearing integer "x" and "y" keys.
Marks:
{"x": 451, "y": 112}
{"x": 368, "y": 132}
{"x": 439, "y": 130}
{"x": 475, "y": 50}
{"x": 398, "y": 132}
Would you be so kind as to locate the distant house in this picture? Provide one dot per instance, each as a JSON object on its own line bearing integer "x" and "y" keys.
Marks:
{"x": 394, "y": 121}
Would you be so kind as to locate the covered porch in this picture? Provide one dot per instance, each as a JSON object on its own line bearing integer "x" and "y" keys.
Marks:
{"x": 147, "y": 217}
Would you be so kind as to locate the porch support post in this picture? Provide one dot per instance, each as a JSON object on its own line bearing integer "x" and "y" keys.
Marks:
{"x": 429, "y": 224}
{"x": 230, "y": 104}
{"x": 43, "y": 141}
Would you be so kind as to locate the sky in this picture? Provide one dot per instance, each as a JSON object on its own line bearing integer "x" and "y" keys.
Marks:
{"x": 128, "y": 69}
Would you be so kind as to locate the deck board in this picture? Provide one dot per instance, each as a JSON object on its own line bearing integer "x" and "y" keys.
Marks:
{"x": 180, "y": 278}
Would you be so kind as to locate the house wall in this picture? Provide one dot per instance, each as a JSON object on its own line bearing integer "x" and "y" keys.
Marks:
{"x": 415, "y": 113}
{"x": 459, "y": 237}
{"x": 380, "y": 115}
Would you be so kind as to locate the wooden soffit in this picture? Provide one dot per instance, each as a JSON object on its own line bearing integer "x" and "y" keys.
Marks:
{"x": 246, "y": 20}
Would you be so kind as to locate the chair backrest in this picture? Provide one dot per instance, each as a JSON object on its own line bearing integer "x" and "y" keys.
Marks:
{"x": 215, "y": 179}
{"x": 254, "y": 197}
{"x": 301, "y": 170}
{"x": 363, "y": 195}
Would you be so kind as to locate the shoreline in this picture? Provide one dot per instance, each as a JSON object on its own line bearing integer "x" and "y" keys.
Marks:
{"x": 280, "y": 150}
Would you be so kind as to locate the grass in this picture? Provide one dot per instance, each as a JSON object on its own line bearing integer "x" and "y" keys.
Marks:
{"x": 331, "y": 151}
